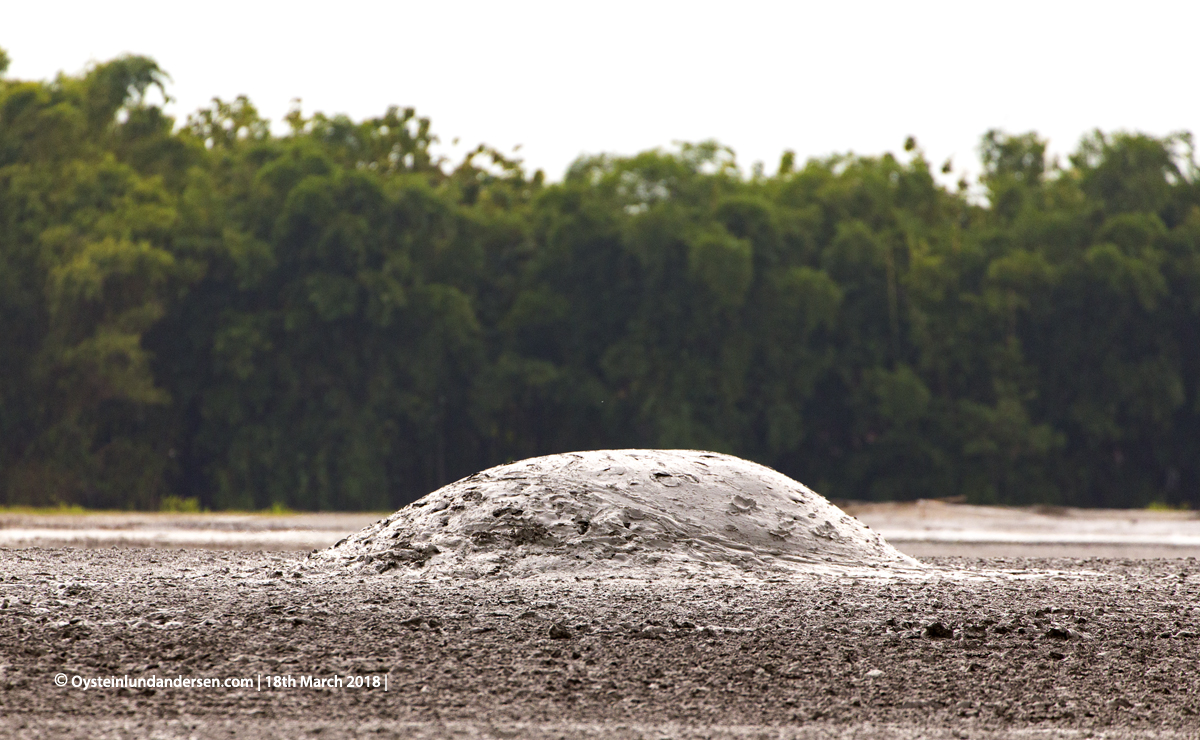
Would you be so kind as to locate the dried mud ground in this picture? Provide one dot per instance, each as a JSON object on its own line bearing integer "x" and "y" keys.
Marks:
{"x": 1106, "y": 648}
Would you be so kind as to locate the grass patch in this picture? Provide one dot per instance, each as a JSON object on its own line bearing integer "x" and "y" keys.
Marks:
{"x": 179, "y": 505}
{"x": 1164, "y": 506}
{"x": 44, "y": 510}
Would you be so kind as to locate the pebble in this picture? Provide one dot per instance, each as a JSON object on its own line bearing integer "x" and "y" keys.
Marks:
{"x": 1065, "y": 633}
{"x": 559, "y": 631}
{"x": 938, "y": 631}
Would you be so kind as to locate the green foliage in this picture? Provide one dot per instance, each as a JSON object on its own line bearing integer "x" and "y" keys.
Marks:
{"x": 87, "y": 241}
{"x": 723, "y": 264}
{"x": 215, "y": 316}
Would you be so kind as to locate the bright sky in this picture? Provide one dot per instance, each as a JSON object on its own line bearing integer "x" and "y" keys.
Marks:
{"x": 564, "y": 78}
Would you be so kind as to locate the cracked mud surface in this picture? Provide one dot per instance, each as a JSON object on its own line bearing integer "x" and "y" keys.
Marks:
{"x": 1107, "y": 649}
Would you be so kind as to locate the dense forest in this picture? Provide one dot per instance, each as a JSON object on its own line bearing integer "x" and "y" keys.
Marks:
{"x": 334, "y": 318}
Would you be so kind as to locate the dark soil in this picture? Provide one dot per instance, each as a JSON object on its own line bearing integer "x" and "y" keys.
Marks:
{"x": 1110, "y": 649}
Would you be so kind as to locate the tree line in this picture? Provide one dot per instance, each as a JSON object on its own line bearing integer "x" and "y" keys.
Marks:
{"x": 336, "y": 318}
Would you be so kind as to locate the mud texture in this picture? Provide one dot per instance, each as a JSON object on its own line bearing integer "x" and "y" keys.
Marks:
{"x": 1107, "y": 648}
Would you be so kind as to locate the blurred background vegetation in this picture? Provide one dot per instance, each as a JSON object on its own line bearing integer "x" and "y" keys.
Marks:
{"x": 211, "y": 315}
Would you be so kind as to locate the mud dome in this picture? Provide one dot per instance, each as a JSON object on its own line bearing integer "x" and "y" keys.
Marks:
{"x": 630, "y": 513}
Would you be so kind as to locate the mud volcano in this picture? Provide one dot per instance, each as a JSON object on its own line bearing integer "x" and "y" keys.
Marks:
{"x": 628, "y": 513}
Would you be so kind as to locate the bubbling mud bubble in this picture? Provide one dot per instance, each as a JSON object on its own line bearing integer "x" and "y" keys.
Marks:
{"x": 630, "y": 513}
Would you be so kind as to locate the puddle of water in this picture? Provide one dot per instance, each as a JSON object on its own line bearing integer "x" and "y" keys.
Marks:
{"x": 991, "y": 536}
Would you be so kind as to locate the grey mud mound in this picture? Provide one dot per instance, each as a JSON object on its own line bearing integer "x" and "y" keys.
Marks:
{"x": 632, "y": 513}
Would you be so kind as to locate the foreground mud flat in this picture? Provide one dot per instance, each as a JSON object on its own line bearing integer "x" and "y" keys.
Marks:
{"x": 1098, "y": 648}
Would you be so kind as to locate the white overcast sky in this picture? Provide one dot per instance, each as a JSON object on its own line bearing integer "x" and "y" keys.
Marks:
{"x": 565, "y": 78}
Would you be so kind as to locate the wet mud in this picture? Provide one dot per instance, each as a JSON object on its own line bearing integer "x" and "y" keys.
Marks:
{"x": 1101, "y": 648}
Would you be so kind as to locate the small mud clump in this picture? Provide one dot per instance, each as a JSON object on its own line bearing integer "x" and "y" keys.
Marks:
{"x": 400, "y": 554}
